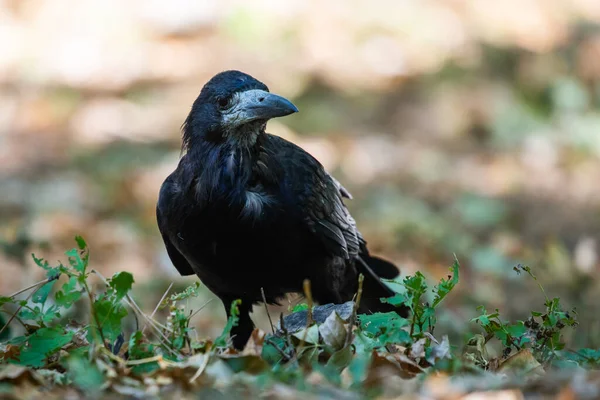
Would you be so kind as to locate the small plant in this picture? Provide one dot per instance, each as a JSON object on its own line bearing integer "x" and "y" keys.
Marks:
{"x": 541, "y": 333}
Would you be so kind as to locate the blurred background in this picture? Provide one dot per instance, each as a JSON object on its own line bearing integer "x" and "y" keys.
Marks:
{"x": 467, "y": 128}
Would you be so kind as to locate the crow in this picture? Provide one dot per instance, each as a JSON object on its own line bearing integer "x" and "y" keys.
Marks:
{"x": 248, "y": 211}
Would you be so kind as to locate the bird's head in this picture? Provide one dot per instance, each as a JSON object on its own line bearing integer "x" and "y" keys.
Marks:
{"x": 233, "y": 107}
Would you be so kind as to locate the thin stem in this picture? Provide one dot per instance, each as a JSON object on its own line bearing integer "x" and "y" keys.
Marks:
{"x": 53, "y": 278}
{"x": 262, "y": 292}
{"x": 94, "y": 314}
{"x": 201, "y": 308}
{"x": 15, "y": 317}
{"x": 309, "y": 315}
{"x": 16, "y": 312}
{"x": 352, "y": 320}
{"x": 158, "y": 305}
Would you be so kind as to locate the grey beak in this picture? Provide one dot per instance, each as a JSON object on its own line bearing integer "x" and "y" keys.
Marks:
{"x": 259, "y": 104}
{"x": 267, "y": 105}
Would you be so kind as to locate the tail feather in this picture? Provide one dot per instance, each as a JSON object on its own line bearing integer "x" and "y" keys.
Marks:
{"x": 382, "y": 268}
{"x": 374, "y": 289}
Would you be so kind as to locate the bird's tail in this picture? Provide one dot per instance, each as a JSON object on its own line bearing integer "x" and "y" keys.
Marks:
{"x": 373, "y": 269}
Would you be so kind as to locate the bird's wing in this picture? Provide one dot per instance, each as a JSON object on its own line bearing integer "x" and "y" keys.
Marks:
{"x": 343, "y": 191}
{"x": 178, "y": 260}
{"x": 315, "y": 197}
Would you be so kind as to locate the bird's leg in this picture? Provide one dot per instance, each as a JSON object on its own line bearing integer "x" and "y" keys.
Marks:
{"x": 241, "y": 332}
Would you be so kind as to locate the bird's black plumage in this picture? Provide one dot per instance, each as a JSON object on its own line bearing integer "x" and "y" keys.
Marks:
{"x": 246, "y": 210}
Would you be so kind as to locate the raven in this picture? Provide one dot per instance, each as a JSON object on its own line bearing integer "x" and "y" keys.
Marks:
{"x": 248, "y": 211}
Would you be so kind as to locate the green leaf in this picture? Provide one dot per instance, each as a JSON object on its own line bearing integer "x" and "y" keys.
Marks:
{"x": 340, "y": 359}
{"x": 110, "y": 316}
{"x": 585, "y": 357}
{"x": 41, "y": 295}
{"x": 78, "y": 263}
{"x": 32, "y": 314}
{"x": 80, "y": 242}
{"x": 445, "y": 286}
{"x": 40, "y": 262}
{"x": 300, "y": 307}
{"x": 396, "y": 300}
{"x": 416, "y": 284}
{"x": 329, "y": 372}
{"x": 69, "y": 293}
{"x": 139, "y": 349}
{"x": 359, "y": 368}
{"x": 121, "y": 282}
{"x": 5, "y": 300}
{"x": 385, "y": 327}
{"x": 232, "y": 321}
{"x": 190, "y": 291}
{"x": 517, "y": 329}
{"x": 84, "y": 374}
{"x": 49, "y": 315}
{"x": 43, "y": 343}
{"x": 269, "y": 351}
{"x": 377, "y": 323}
{"x": 363, "y": 343}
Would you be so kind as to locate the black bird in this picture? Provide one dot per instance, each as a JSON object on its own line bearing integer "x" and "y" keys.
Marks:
{"x": 246, "y": 210}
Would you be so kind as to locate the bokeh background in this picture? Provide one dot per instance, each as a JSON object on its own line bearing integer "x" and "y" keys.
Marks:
{"x": 467, "y": 128}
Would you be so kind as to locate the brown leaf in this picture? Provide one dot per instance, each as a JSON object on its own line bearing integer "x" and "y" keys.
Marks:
{"x": 11, "y": 352}
{"x": 384, "y": 365}
{"x": 252, "y": 364}
{"x": 17, "y": 374}
{"x": 523, "y": 362}
{"x": 255, "y": 343}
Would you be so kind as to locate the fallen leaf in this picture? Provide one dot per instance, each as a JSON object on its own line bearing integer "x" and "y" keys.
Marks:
{"x": 341, "y": 358}
{"x": 333, "y": 332}
{"x": 310, "y": 335}
{"x": 417, "y": 350}
{"x": 522, "y": 363}
{"x": 384, "y": 365}
{"x": 255, "y": 343}
{"x": 440, "y": 351}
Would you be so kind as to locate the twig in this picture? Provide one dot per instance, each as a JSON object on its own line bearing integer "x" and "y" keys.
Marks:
{"x": 145, "y": 360}
{"x": 352, "y": 320}
{"x": 285, "y": 356}
{"x": 14, "y": 315}
{"x": 53, "y": 278}
{"x": 112, "y": 356}
{"x": 309, "y": 299}
{"x": 262, "y": 292}
{"x": 201, "y": 308}
{"x": 19, "y": 320}
{"x": 158, "y": 305}
{"x": 309, "y": 316}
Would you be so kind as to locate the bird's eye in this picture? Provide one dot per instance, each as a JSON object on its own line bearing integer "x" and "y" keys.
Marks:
{"x": 223, "y": 102}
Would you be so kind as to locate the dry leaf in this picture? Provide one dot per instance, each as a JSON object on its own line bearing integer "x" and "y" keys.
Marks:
{"x": 440, "y": 351}
{"x": 523, "y": 362}
{"x": 333, "y": 331}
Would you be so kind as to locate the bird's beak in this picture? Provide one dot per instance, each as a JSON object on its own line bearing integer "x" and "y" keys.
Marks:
{"x": 253, "y": 105}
